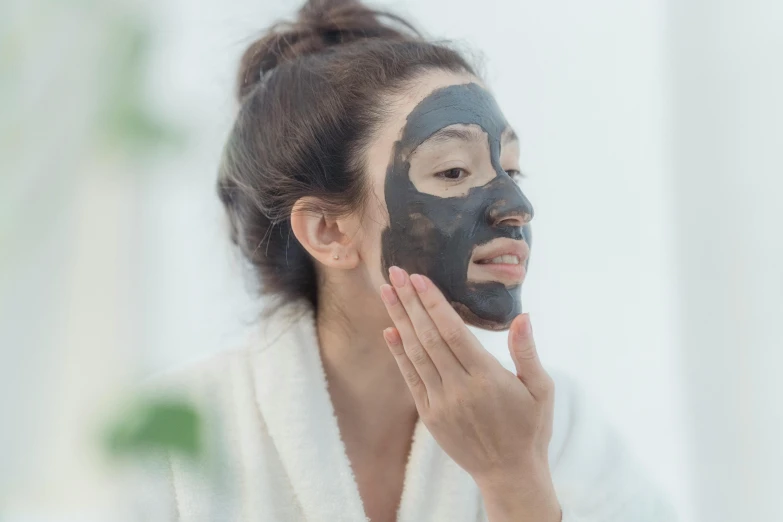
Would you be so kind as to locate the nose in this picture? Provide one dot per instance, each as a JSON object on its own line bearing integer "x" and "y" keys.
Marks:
{"x": 510, "y": 208}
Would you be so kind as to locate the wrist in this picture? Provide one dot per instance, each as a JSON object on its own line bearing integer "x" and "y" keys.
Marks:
{"x": 530, "y": 475}
{"x": 520, "y": 498}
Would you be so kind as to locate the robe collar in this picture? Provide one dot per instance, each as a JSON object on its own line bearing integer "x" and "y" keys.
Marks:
{"x": 293, "y": 397}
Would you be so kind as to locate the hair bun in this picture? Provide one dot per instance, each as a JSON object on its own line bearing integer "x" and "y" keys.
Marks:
{"x": 321, "y": 24}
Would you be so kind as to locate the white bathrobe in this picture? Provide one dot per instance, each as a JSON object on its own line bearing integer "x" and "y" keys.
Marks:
{"x": 277, "y": 455}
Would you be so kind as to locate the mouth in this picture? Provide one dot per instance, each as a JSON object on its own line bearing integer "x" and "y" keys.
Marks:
{"x": 502, "y": 260}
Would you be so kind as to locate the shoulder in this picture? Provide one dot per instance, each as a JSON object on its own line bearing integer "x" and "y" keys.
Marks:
{"x": 207, "y": 384}
{"x": 189, "y": 418}
{"x": 595, "y": 475}
{"x": 583, "y": 439}
{"x": 231, "y": 368}
{"x": 204, "y": 372}
{"x": 577, "y": 421}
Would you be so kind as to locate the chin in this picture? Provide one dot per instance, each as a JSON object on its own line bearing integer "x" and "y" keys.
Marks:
{"x": 472, "y": 319}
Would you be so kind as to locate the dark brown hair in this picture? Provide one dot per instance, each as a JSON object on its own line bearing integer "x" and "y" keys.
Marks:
{"x": 310, "y": 96}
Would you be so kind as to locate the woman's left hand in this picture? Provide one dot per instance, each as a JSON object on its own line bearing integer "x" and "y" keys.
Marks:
{"x": 494, "y": 424}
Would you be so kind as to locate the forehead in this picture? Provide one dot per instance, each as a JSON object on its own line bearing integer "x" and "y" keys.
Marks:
{"x": 398, "y": 108}
{"x": 460, "y": 104}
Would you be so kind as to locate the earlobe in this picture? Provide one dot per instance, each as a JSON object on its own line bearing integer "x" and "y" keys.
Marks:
{"x": 323, "y": 237}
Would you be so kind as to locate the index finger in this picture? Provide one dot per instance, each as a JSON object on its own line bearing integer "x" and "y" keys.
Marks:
{"x": 450, "y": 325}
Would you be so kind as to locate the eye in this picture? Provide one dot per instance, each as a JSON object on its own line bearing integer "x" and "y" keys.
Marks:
{"x": 455, "y": 174}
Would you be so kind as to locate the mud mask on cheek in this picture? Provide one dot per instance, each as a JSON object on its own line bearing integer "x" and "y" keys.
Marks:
{"x": 435, "y": 236}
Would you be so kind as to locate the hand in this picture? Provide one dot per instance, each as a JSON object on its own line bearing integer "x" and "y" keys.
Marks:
{"x": 494, "y": 424}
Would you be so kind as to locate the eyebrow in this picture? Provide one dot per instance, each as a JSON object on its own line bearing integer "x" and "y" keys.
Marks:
{"x": 508, "y": 136}
{"x": 470, "y": 135}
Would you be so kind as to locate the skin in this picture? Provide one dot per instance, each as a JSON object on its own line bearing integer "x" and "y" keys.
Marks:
{"x": 493, "y": 423}
{"x": 433, "y": 232}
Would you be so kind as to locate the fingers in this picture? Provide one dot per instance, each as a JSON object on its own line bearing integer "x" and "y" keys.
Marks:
{"x": 408, "y": 290}
{"x": 453, "y": 331}
{"x": 414, "y": 350}
{"x": 408, "y": 371}
{"x": 523, "y": 351}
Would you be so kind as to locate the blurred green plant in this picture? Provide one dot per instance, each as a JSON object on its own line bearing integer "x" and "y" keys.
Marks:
{"x": 126, "y": 121}
{"x": 152, "y": 425}
{"x": 75, "y": 100}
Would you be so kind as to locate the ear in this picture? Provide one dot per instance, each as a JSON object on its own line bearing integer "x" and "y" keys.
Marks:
{"x": 329, "y": 240}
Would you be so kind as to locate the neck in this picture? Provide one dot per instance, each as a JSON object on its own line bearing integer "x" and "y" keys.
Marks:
{"x": 365, "y": 385}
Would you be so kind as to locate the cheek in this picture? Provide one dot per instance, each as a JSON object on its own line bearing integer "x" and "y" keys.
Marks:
{"x": 374, "y": 221}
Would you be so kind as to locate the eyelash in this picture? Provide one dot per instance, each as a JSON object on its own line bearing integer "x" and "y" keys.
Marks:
{"x": 513, "y": 174}
{"x": 442, "y": 174}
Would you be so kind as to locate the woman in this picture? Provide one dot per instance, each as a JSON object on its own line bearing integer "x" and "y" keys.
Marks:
{"x": 370, "y": 180}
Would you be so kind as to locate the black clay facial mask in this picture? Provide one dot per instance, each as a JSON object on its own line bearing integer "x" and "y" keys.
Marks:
{"x": 434, "y": 235}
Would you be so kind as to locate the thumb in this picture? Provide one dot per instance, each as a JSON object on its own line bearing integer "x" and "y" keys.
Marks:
{"x": 524, "y": 354}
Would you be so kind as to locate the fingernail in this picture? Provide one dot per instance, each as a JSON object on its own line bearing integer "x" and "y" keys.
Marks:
{"x": 418, "y": 283}
{"x": 388, "y": 294}
{"x": 391, "y": 336}
{"x": 526, "y": 328}
{"x": 397, "y": 276}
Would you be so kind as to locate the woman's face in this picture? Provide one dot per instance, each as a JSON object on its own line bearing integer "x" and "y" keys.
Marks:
{"x": 442, "y": 169}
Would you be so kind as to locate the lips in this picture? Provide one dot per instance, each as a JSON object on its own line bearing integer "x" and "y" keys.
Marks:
{"x": 501, "y": 251}
{"x": 501, "y": 260}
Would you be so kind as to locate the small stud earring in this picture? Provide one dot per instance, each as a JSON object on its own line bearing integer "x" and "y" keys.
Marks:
{"x": 335, "y": 256}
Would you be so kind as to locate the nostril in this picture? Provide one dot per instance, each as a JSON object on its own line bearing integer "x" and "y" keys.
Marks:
{"x": 509, "y": 222}
{"x": 515, "y": 220}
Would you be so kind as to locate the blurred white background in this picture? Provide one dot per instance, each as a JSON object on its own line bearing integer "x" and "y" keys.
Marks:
{"x": 651, "y": 133}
